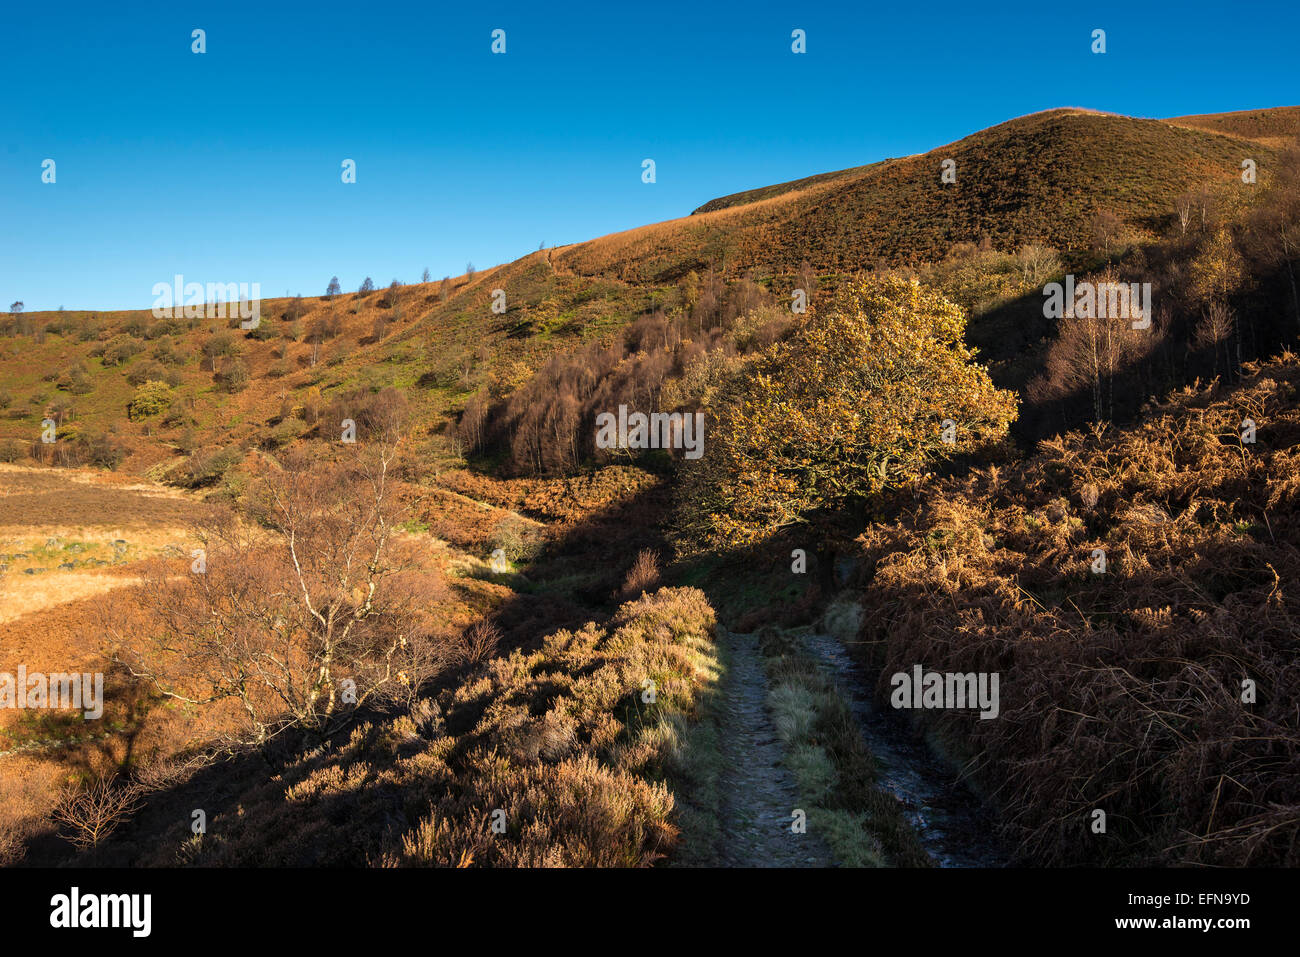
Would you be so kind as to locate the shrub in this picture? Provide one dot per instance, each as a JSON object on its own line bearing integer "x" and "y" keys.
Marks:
{"x": 165, "y": 351}
{"x": 220, "y": 344}
{"x": 79, "y": 449}
{"x": 207, "y": 468}
{"x": 151, "y": 398}
{"x": 118, "y": 350}
{"x": 76, "y": 380}
{"x": 88, "y": 815}
{"x": 263, "y": 331}
{"x": 642, "y": 577}
{"x": 519, "y": 539}
{"x": 376, "y": 414}
{"x": 236, "y": 378}
{"x": 151, "y": 371}
{"x": 324, "y": 327}
{"x": 389, "y": 298}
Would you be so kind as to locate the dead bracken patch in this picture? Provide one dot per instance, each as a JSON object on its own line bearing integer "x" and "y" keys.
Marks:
{"x": 1159, "y": 691}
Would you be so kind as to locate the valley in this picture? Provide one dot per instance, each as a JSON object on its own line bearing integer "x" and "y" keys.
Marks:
{"x": 513, "y": 586}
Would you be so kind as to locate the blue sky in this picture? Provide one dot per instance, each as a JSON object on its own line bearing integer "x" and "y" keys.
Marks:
{"x": 225, "y": 166}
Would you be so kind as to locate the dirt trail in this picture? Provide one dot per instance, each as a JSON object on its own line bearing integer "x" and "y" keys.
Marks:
{"x": 945, "y": 815}
{"x": 759, "y": 794}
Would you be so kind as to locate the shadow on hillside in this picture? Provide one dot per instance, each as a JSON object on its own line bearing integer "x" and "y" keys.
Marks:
{"x": 581, "y": 570}
{"x": 576, "y": 580}
{"x": 1014, "y": 340}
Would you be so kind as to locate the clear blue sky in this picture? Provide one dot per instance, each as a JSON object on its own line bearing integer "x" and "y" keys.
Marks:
{"x": 225, "y": 166}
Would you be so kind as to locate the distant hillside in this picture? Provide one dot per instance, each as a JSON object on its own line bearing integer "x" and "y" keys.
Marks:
{"x": 1272, "y": 127}
{"x": 767, "y": 192}
{"x": 1037, "y": 178}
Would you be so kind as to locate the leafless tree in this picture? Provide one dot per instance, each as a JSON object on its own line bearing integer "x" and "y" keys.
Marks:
{"x": 1217, "y": 325}
{"x": 1106, "y": 227}
{"x": 1038, "y": 263}
{"x": 1183, "y": 207}
{"x": 308, "y": 606}
{"x": 1089, "y": 351}
{"x": 89, "y": 814}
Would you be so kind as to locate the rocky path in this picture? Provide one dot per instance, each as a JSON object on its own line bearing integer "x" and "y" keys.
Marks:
{"x": 944, "y": 813}
{"x": 759, "y": 795}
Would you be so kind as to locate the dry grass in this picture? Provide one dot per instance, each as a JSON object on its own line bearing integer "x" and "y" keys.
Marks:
{"x": 1273, "y": 127}
{"x": 560, "y": 740}
{"x": 72, "y": 503}
{"x": 23, "y": 595}
{"x": 835, "y": 771}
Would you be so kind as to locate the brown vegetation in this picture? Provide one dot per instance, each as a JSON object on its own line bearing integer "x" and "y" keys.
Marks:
{"x": 302, "y": 617}
{"x": 563, "y": 742}
{"x": 1120, "y": 691}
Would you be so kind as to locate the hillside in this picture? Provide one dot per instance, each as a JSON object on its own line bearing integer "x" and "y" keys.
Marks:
{"x": 1039, "y": 178}
{"x": 767, "y": 192}
{"x": 1273, "y": 127}
{"x": 547, "y": 642}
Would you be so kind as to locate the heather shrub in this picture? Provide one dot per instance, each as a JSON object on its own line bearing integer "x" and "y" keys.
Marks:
{"x": 547, "y": 758}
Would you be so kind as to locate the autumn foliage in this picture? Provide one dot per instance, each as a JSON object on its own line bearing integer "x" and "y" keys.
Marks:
{"x": 865, "y": 395}
{"x": 1159, "y": 691}
{"x": 302, "y": 607}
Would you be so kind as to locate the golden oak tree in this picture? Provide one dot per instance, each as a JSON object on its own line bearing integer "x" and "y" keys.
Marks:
{"x": 861, "y": 397}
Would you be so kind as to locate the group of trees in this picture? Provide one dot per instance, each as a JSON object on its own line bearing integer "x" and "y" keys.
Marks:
{"x": 1091, "y": 351}
{"x": 1225, "y": 293}
{"x": 806, "y": 415}
{"x": 547, "y": 424}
